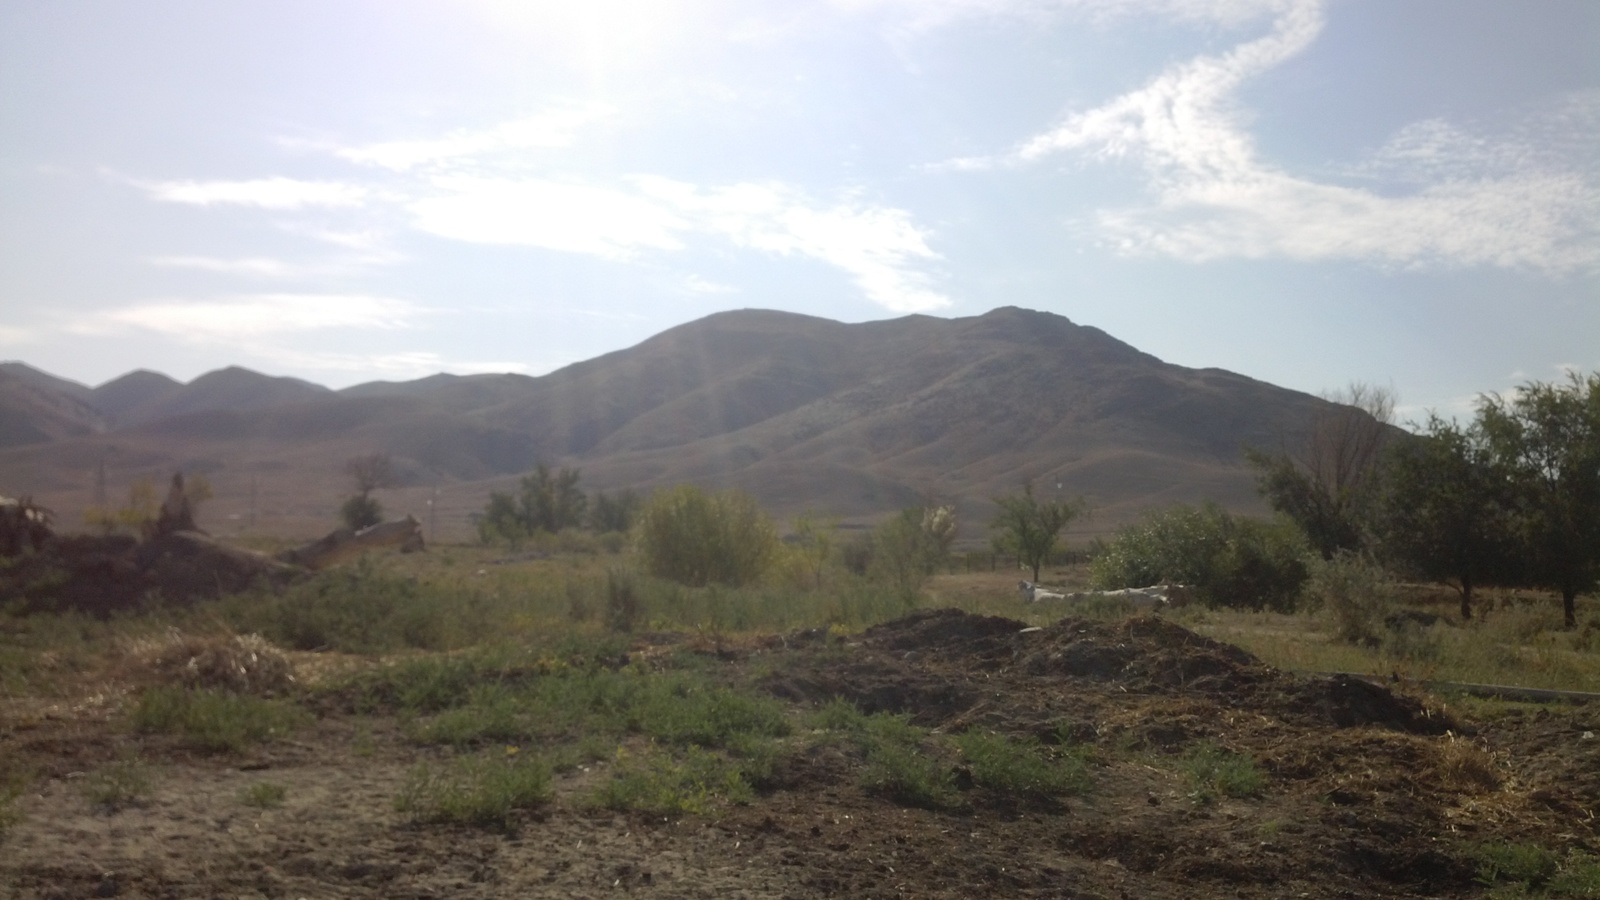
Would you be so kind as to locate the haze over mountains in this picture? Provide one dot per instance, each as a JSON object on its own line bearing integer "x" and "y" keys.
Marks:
{"x": 849, "y": 420}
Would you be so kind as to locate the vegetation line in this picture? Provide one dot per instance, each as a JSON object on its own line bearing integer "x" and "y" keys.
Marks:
{"x": 1490, "y": 691}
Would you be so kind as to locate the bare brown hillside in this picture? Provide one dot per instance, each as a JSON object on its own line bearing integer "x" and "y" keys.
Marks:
{"x": 853, "y": 420}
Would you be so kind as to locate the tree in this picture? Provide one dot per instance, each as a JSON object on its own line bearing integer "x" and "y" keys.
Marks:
{"x": 1028, "y": 526}
{"x": 910, "y": 546}
{"x": 1546, "y": 439}
{"x": 613, "y": 512}
{"x": 1444, "y": 511}
{"x": 815, "y": 541}
{"x": 1327, "y": 485}
{"x": 696, "y": 538}
{"x": 1230, "y": 561}
{"x": 552, "y": 502}
{"x": 368, "y": 473}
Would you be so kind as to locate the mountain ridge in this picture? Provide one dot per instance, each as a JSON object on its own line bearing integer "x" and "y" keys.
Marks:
{"x": 853, "y": 420}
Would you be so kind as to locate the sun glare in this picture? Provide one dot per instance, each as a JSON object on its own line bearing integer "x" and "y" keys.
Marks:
{"x": 603, "y": 37}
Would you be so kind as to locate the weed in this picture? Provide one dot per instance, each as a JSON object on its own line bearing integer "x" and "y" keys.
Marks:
{"x": 1527, "y": 864}
{"x": 264, "y": 795}
{"x": 1467, "y": 766}
{"x": 693, "y": 782}
{"x": 1211, "y": 771}
{"x": 907, "y": 775}
{"x": 680, "y": 710}
{"x": 12, "y": 786}
{"x": 118, "y": 785}
{"x": 624, "y": 605}
{"x": 1579, "y": 877}
{"x": 1021, "y": 766}
{"x": 1355, "y": 592}
{"x": 215, "y": 720}
{"x": 484, "y": 790}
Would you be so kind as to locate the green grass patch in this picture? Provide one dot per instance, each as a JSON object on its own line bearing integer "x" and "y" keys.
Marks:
{"x": 215, "y": 721}
{"x": 662, "y": 782}
{"x": 1213, "y": 771}
{"x": 264, "y": 795}
{"x": 118, "y": 785}
{"x": 484, "y": 790}
{"x": 1021, "y": 766}
{"x": 899, "y": 763}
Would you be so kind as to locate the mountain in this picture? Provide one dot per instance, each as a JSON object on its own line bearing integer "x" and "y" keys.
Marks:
{"x": 36, "y": 407}
{"x": 852, "y": 420}
{"x": 126, "y": 399}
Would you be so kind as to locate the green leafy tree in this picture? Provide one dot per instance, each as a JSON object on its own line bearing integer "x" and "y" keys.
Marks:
{"x": 1228, "y": 560}
{"x": 368, "y": 473}
{"x": 613, "y": 512}
{"x": 815, "y": 540}
{"x": 1547, "y": 439}
{"x": 911, "y": 546}
{"x": 552, "y": 501}
{"x": 1028, "y": 527}
{"x": 1444, "y": 512}
{"x": 697, "y": 538}
{"x": 1327, "y": 485}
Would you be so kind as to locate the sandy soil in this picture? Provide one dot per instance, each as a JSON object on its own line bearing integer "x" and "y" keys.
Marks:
{"x": 1371, "y": 792}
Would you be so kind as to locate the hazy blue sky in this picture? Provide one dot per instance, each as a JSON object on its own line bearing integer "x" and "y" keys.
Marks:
{"x": 1306, "y": 192}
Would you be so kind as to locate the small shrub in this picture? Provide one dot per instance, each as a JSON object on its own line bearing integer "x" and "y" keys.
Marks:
{"x": 624, "y": 605}
{"x": 1527, "y": 864}
{"x": 693, "y": 783}
{"x": 215, "y": 720}
{"x": 1211, "y": 771}
{"x": 696, "y": 538}
{"x": 907, "y": 775}
{"x": 359, "y": 609}
{"x": 264, "y": 795}
{"x": 118, "y": 785}
{"x": 679, "y": 711}
{"x": 1466, "y": 766}
{"x": 1579, "y": 877}
{"x": 1356, "y": 593}
{"x": 485, "y": 791}
{"x": 1021, "y": 767}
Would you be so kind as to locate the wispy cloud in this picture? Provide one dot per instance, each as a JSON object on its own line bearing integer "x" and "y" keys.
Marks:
{"x": 570, "y": 217}
{"x": 553, "y": 128}
{"x": 1470, "y": 201}
{"x": 266, "y": 193}
{"x": 882, "y": 249}
{"x": 403, "y": 365}
{"x": 257, "y": 266}
{"x": 244, "y": 317}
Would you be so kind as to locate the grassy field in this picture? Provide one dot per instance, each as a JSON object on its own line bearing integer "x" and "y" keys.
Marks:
{"x": 484, "y": 689}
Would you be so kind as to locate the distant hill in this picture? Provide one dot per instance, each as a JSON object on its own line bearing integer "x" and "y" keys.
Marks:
{"x": 849, "y": 420}
{"x": 39, "y": 408}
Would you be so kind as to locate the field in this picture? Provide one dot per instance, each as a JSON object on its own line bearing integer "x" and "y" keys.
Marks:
{"x": 464, "y": 724}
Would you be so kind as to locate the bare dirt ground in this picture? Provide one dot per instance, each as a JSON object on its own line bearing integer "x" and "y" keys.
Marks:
{"x": 1369, "y": 792}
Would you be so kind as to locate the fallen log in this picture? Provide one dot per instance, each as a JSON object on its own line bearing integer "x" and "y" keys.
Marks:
{"x": 342, "y": 544}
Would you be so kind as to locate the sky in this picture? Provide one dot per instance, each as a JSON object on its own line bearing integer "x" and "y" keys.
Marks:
{"x": 1308, "y": 192}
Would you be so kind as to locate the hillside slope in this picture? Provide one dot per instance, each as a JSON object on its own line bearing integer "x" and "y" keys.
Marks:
{"x": 853, "y": 420}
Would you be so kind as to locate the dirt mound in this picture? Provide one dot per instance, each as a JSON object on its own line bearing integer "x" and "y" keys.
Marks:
{"x": 943, "y": 667}
{"x": 100, "y": 575}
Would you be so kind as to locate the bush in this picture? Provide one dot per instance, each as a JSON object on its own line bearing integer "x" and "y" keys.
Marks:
{"x": 481, "y": 790}
{"x": 1021, "y": 767}
{"x": 1357, "y": 594}
{"x": 215, "y": 720}
{"x": 1211, "y": 770}
{"x": 361, "y": 511}
{"x": 694, "y": 538}
{"x": 1230, "y": 561}
{"x": 358, "y": 609}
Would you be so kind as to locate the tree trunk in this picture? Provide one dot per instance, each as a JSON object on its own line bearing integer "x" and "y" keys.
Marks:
{"x": 1466, "y": 597}
{"x": 1568, "y": 595}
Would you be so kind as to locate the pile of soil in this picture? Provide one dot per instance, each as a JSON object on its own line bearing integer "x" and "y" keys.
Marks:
{"x": 1369, "y": 792}
{"x": 105, "y": 574}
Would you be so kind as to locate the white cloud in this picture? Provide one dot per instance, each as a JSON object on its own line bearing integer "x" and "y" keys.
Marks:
{"x": 551, "y": 129}
{"x": 249, "y": 266}
{"x": 267, "y": 193}
{"x": 694, "y": 284}
{"x": 400, "y": 366}
{"x": 1473, "y": 202}
{"x": 880, "y": 248}
{"x": 249, "y": 316}
{"x": 919, "y": 15}
{"x": 574, "y": 218}
{"x": 10, "y": 334}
